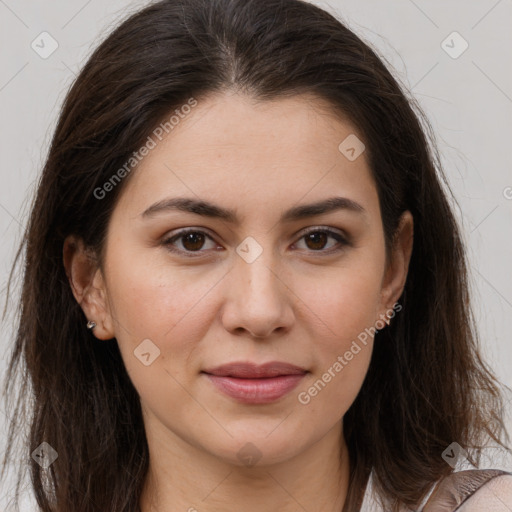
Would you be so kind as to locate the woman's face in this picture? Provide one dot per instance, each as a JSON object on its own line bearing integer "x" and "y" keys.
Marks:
{"x": 253, "y": 288}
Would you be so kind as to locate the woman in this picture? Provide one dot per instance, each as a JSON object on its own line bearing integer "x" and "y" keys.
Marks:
{"x": 244, "y": 286}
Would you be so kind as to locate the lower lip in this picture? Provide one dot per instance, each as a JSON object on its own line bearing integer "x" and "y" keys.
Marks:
{"x": 256, "y": 391}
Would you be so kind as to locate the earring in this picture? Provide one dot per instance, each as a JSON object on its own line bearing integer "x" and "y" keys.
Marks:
{"x": 91, "y": 325}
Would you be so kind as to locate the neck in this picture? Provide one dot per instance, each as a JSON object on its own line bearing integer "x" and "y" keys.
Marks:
{"x": 184, "y": 477}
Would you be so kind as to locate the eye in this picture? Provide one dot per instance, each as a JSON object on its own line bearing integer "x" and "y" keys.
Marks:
{"x": 316, "y": 239}
{"x": 192, "y": 240}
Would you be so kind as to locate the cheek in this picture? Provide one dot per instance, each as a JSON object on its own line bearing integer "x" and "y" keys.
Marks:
{"x": 345, "y": 301}
{"x": 170, "y": 311}
{"x": 150, "y": 297}
{"x": 343, "y": 313}
{"x": 151, "y": 301}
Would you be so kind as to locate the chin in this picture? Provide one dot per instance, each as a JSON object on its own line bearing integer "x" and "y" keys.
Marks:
{"x": 259, "y": 446}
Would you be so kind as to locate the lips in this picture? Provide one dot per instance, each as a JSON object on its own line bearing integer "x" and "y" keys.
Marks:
{"x": 253, "y": 371}
{"x": 249, "y": 383}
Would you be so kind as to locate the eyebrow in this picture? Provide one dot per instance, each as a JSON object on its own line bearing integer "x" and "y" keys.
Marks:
{"x": 207, "y": 209}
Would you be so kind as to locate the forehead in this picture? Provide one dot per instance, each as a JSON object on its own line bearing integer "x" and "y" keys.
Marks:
{"x": 239, "y": 151}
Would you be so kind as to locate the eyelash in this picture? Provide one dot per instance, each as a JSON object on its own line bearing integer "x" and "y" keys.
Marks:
{"x": 342, "y": 241}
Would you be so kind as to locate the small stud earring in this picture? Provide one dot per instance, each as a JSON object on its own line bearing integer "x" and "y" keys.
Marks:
{"x": 91, "y": 324}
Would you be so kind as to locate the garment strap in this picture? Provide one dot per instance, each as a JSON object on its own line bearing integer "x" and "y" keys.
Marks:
{"x": 456, "y": 488}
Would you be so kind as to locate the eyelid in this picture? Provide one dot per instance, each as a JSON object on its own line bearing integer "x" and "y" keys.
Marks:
{"x": 328, "y": 229}
{"x": 342, "y": 238}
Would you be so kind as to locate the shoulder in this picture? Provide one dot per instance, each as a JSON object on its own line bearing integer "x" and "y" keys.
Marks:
{"x": 494, "y": 496}
{"x": 472, "y": 491}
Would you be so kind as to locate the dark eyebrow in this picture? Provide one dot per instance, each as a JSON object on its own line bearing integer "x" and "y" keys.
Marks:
{"x": 208, "y": 209}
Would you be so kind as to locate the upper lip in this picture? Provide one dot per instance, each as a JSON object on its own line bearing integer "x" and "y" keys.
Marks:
{"x": 248, "y": 370}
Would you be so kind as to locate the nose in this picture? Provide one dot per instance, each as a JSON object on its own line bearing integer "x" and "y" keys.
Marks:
{"x": 258, "y": 300}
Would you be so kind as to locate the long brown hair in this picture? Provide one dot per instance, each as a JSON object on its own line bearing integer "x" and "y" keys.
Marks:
{"x": 427, "y": 385}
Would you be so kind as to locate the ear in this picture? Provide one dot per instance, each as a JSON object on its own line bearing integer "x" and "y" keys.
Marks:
{"x": 396, "y": 272}
{"x": 88, "y": 286}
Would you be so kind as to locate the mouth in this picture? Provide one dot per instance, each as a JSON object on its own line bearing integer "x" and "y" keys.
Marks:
{"x": 255, "y": 384}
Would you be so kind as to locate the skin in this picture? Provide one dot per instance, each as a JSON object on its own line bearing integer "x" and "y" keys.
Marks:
{"x": 290, "y": 304}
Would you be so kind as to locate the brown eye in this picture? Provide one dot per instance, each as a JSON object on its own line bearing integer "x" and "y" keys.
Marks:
{"x": 192, "y": 241}
{"x": 317, "y": 239}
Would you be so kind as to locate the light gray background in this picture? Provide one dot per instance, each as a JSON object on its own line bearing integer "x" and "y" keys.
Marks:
{"x": 468, "y": 101}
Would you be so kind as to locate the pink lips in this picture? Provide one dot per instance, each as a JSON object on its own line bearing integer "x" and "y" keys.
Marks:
{"x": 256, "y": 384}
